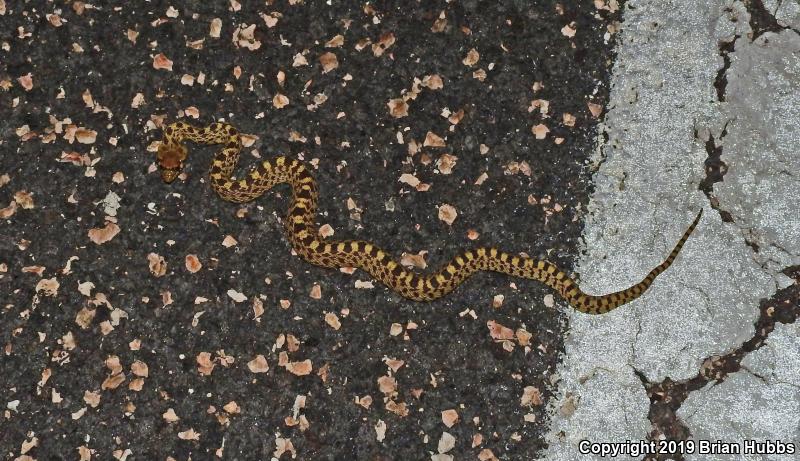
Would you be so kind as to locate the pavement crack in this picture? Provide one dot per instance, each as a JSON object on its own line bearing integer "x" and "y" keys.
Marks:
{"x": 762, "y": 20}
{"x": 593, "y": 373}
{"x": 642, "y": 376}
{"x": 707, "y": 305}
{"x": 715, "y": 169}
{"x": 761, "y": 378}
{"x": 636, "y": 340}
{"x": 667, "y": 396}
{"x": 721, "y": 81}
{"x": 749, "y": 241}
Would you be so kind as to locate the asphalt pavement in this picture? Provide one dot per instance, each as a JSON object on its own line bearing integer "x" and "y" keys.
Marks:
{"x": 141, "y": 320}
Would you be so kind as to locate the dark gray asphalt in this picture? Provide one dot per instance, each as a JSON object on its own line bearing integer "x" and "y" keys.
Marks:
{"x": 450, "y": 360}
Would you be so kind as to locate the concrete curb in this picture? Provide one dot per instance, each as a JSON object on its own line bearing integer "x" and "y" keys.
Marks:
{"x": 684, "y": 99}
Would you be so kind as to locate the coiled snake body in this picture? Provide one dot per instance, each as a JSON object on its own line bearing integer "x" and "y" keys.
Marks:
{"x": 301, "y": 229}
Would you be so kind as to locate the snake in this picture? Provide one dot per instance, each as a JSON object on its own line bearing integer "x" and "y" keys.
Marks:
{"x": 303, "y": 234}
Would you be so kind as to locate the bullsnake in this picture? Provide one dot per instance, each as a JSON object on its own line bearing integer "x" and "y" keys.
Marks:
{"x": 303, "y": 235}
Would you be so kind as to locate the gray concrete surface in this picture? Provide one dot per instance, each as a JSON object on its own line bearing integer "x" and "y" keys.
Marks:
{"x": 761, "y": 402}
{"x": 763, "y": 110}
{"x": 786, "y": 12}
{"x": 663, "y": 108}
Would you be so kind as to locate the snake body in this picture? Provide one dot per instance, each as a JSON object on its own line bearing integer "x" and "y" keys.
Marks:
{"x": 302, "y": 232}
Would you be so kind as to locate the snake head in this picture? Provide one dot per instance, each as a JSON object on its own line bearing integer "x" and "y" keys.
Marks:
{"x": 170, "y": 159}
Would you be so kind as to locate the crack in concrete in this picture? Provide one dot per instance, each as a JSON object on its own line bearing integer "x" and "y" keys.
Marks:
{"x": 778, "y": 6}
{"x": 721, "y": 81}
{"x": 636, "y": 336}
{"x": 749, "y": 242}
{"x": 707, "y": 304}
{"x": 593, "y": 372}
{"x": 768, "y": 380}
{"x": 762, "y": 20}
{"x": 749, "y": 236}
{"x": 715, "y": 169}
{"x": 667, "y": 396}
{"x": 761, "y": 378}
{"x": 632, "y": 360}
